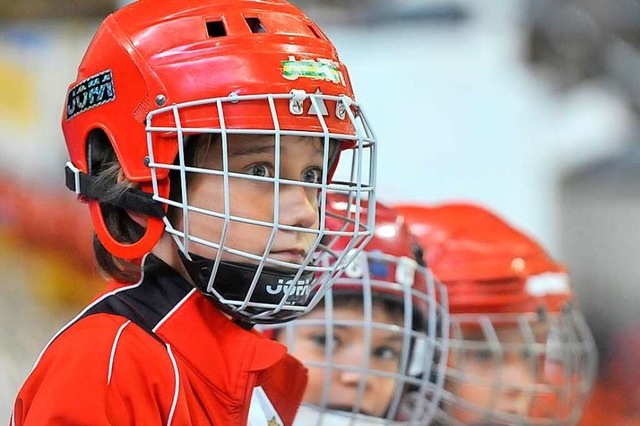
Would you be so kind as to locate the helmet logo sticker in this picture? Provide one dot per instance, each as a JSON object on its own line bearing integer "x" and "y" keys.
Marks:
{"x": 373, "y": 262}
{"x": 378, "y": 267}
{"x": 322, "y": 69}
{"x": 89, "y": 93}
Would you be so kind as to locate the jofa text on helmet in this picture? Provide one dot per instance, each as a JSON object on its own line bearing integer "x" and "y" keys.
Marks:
{"x": 89, "y": 93}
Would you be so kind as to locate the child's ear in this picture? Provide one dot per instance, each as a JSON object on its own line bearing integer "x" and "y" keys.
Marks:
{"x": 140, "y": 219}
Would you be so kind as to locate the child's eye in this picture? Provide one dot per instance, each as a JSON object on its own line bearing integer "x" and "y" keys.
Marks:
{"x": 261, "y": 170}
{"x": 322, "y": 340}
{"x": 481, "y": 354}
{"x": 527, "y": 353}
{"x": 313, "y": 175}
{"x": 386, "y": 353}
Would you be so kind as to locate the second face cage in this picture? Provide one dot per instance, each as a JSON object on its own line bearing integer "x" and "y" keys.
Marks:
{"x": 302, "y": 284}
{"x": 420, "y": 325}
{"x": 518, "y": 369}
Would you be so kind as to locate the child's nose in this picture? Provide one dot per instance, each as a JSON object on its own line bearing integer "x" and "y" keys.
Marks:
{"x": 298, "y": 206}
{"x": 353, "y": 371}
{"x": 519, "y": 387}
{"x": 353, "y": 375}
{"x": 518, "y": 371}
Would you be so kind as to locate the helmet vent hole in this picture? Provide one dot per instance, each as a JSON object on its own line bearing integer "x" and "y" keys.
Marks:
{"x": 315, "y": 32}
{"x": 216, "y": 29}
{"x": 255, "y": 25}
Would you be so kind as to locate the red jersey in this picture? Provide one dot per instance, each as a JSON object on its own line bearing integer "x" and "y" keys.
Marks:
{"x": 160, "y": 353}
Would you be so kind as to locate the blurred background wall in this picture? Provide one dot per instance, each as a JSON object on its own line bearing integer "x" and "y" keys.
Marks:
{"x": 527, "y": 106}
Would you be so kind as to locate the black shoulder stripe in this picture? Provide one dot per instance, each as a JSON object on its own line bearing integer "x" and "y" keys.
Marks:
{"x": 116, "y": 306}
{"x": 149, "y": 302}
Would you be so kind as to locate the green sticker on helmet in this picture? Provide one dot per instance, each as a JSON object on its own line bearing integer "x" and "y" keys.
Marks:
{"x": 321, "y": 69}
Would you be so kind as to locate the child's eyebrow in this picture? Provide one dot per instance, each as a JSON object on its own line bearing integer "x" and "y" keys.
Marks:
{"x": 252, "y": 149}
{"x": 394, "y": 338}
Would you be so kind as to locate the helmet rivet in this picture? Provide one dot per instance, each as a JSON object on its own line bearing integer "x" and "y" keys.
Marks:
{"x": 518, "y": 264}
{"x": 161, "y": 100}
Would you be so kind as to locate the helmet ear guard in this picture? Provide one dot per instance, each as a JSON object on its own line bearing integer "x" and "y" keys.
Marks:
{"x": 136, "y": 250}
{"x": 131, "y": 199}
{"x": 154, "y": 230}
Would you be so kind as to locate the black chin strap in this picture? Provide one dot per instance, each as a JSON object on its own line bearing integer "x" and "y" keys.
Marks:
{"x": 233, "y": 282}
{"x": 131, "y": 199}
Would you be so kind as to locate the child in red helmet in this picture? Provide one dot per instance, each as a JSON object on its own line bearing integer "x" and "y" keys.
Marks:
{"x": 204, "y": 136}
{"x": 377, "y": 341}
{"x": 520, "y": 351}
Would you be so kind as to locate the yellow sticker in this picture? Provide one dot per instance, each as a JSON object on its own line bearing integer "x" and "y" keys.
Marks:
{"x": 321, "y": 69}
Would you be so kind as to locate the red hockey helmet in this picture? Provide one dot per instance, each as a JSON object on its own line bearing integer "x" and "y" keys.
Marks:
{"x": 520, "y": 351}
{"x": 160, "y": 71}
{"x": 487, "y": 265}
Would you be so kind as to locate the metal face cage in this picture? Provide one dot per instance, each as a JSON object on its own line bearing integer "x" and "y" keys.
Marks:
{"x": 373, "y": 337}
{"x": 524, "y": 369}
{"x": 261, "y": 286}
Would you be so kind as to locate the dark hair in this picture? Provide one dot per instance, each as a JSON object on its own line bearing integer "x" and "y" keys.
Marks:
{"x": 105, "y": 167}
{"x": 393, "y": 308}
{"x": 392, "y": 305}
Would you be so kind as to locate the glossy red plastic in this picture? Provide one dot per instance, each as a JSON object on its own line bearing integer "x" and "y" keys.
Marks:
{"x": 485, "y": 263}
{"x": 392, "y": 240}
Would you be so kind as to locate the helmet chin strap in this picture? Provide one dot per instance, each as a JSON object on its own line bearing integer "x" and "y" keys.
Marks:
{"x": 233, "y": 282}
{"x": 132, "y": 199}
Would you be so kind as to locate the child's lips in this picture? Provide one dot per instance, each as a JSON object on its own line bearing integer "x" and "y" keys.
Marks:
{"x": 292, "y": 256}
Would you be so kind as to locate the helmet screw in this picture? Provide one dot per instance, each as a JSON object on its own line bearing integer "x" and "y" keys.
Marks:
{"x": 518, "y": 264}
{"x": 161, "y": 100}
